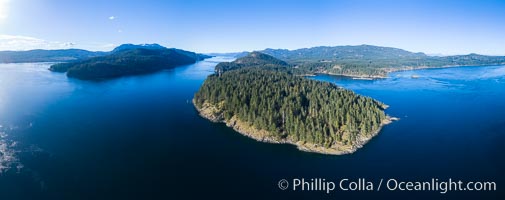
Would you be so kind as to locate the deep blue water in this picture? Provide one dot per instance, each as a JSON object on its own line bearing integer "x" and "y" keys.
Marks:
{"x": 140, "y": 138}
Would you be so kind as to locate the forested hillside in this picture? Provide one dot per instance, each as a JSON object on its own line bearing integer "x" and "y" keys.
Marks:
{"x": 128, "y": 60}
{"x": 372, "y": 61}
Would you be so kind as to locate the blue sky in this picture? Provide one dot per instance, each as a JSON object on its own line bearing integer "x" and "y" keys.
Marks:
{"x": 445, "y": 27}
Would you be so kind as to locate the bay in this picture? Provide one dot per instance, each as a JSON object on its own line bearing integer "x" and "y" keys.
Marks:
{"x": 140, "y": 137}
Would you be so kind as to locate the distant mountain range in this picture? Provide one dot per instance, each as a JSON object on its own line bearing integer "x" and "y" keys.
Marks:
{"x": 39, "y": 55}
{"x": 342, "y": 53}
{"x": 367, "y": 61}
{"x": 124, "y": 47}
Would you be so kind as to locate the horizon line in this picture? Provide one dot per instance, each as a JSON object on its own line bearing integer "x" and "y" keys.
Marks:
{"x": 232, "y": 51}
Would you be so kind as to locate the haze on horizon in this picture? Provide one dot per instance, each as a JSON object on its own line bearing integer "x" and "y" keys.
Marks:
{"x": 432, "y": 27}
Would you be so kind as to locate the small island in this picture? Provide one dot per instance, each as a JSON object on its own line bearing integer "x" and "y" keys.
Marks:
{"x": 259, "y": 96}
{"x": 128, "y": 59}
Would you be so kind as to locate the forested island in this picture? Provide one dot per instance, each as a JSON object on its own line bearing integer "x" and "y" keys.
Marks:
{"x": 261, "y": 97}
{"x": 367, "y": 61}
{"x": 126, "y": 60}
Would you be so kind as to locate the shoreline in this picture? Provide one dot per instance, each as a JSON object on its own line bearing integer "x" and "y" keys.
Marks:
{"x": 208, "y": 112}
{"x": 391, "y": 70}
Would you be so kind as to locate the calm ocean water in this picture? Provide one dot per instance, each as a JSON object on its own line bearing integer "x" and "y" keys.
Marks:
{"x": 140, "y": 138}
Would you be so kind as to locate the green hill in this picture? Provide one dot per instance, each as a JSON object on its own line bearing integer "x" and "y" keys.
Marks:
{"x": 129, "y": 60}
{"x": 252, "y": 59}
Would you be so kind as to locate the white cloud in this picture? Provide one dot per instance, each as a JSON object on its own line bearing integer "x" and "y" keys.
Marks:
{"x": 20, "y": 43}
{"x": 112, "y": 17}
{"x": 4, "y": 9}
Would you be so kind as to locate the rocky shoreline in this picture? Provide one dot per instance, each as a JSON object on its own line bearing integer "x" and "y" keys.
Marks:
{"x": 212, "y": 113}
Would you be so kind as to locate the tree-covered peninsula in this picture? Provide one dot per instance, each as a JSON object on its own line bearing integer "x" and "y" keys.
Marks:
{"x": 126, "y": 60}
{"x": 260, "y": 97}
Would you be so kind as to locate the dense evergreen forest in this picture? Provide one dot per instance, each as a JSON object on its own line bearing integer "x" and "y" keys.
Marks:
{"x": 261, "y": 91}
{"x": 128, "y": 60}
{"x": 371, "y": 61}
